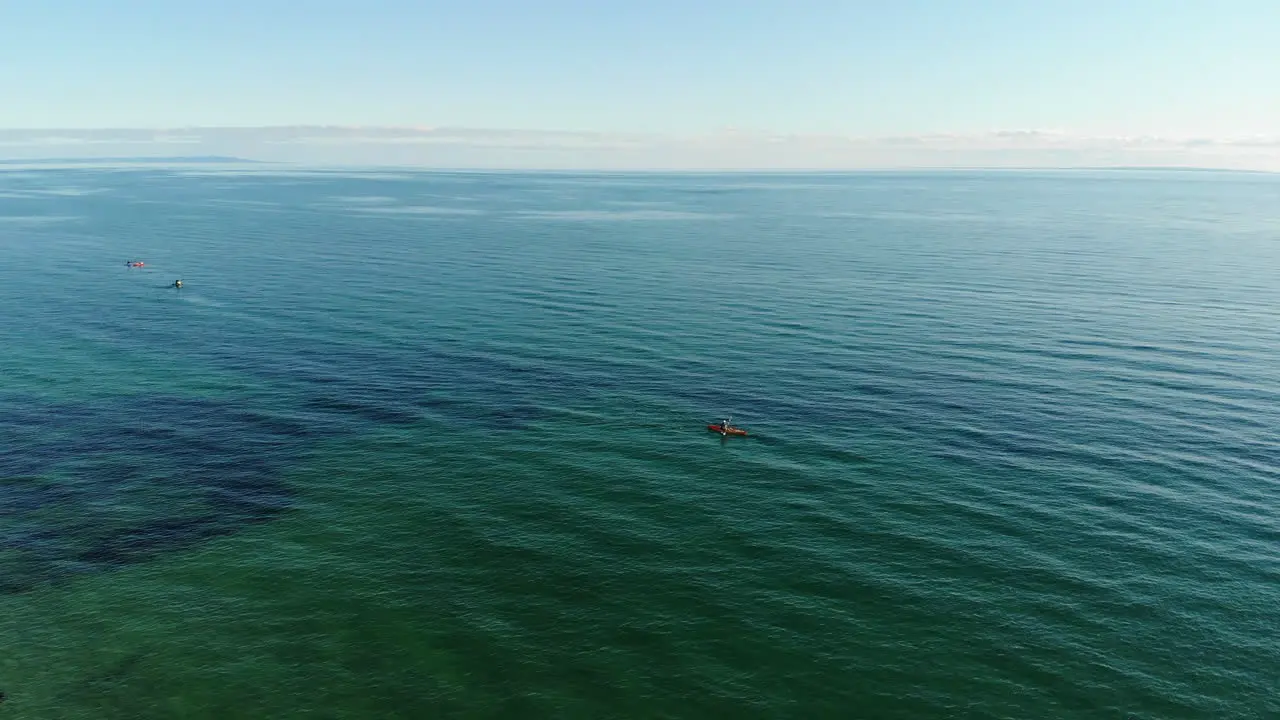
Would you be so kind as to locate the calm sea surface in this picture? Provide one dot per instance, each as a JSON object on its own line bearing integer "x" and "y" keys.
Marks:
{"x": 428, "y": 445}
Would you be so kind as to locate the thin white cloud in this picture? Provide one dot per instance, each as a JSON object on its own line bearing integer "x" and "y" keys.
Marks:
{"x": 76, "y": 140}
{"x": 481, "y": 148}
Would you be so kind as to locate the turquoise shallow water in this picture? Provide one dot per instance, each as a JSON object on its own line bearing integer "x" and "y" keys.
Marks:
{"x": 432, "y": 445}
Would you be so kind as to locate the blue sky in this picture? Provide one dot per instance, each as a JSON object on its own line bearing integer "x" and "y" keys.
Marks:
{"x": 857, "y": 69}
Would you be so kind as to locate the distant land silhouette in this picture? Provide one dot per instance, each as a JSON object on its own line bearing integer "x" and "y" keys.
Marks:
{"x": 141, "y": 159}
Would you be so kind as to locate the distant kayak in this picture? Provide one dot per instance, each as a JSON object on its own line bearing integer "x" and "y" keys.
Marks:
{"x": 135, "y": 264}
{"x": 726, "y": 431}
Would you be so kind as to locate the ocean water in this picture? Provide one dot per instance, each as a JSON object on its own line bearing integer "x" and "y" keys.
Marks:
{"x": 433, "y": 445}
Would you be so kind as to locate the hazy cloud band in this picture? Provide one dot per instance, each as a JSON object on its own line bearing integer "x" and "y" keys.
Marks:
{"x": 727, "y": 149}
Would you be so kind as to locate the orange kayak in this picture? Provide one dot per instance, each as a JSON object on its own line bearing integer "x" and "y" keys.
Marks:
{"x": 731, "y": 431}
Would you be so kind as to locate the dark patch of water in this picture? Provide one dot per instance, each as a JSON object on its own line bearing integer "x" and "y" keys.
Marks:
{"x": 86, "y": 487}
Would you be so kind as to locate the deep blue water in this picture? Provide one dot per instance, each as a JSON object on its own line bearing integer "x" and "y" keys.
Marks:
{"x": 430, "y": 444}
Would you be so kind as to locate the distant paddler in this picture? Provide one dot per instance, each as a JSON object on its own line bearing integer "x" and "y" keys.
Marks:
{"x": 725, "y": 428}
{"x": 177, "y": 284}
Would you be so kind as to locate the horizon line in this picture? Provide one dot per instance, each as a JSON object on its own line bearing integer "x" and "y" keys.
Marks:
{"x": 726, "y": 149}
{"x": 207, "y": 160}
